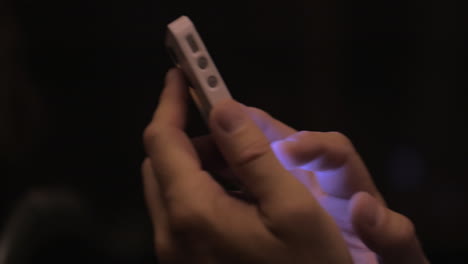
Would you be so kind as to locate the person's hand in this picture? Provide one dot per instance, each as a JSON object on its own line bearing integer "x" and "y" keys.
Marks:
{"x": 196, "y": 221}
{"x": 330, "y": 167}
{"x": 332, "y": 170}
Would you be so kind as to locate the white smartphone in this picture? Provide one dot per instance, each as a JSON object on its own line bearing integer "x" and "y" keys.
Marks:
{"x": 189, "y": 53}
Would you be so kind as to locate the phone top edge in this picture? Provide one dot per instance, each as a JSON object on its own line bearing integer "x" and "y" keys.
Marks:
{"x": 176, "y": 39}
{"x": 182, "y": 23}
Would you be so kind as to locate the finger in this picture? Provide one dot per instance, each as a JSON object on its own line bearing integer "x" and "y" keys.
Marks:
{"x": 213, "y": 161}
{"x": 333, "y": 159}
{"x": 161, "y": 230}
{"x": 165, "y": 136}
{"x": 172, "y": 105}
{"x": 391, "y": 235}
{"x": 153, "y": 196}
{"x": 248, "y": 152}
{"x": 174, "y": 159}
{"x": 272, "y": 128}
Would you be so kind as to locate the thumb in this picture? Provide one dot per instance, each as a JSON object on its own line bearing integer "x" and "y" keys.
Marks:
{"x": 247, "y": 151}
{"x": 389, "y": 234}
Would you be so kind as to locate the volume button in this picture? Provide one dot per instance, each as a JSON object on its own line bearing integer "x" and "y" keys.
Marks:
{"x": 202, "y": 62}
{"x": 212, "y": 81}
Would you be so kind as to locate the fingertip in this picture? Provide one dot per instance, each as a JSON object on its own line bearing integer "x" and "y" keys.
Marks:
{"x": 365, "y": 211}
{"x": 358, "y": 199}
{"x": 384, "y": 231}
{"x": 294, "y": 153}
{"x": 175, "y": 81}
{"x": 284, "y": 151}
{"x": 172, "y": 106}
{"x": 172, "y": 74}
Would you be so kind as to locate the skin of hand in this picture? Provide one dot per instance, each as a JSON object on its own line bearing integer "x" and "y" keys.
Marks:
{"x": 330, "y": 167}
{"x": 308, "y": 187}
{"x": 197, "y": 221}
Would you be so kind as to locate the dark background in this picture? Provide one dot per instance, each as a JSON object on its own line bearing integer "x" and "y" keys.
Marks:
{"x": 79, "y": 81}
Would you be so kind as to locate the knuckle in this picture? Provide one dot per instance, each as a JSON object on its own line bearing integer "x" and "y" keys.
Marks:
{"x": 399, "y": 235}
{"x": 252, "y": 152}
{"x": 304, "y": 135}
{"x": 407, "y": 234}
{"x": 311, "y": 136}
{"x": 296, "y": 214}
{"x": 340, "y": 138}
{"x": 149, "y": 134}
{"x": 342, "y": 145}
{"x": 154, "y": 134}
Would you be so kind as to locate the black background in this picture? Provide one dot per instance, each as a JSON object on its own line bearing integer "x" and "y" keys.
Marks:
{"x": 79, "y": 81}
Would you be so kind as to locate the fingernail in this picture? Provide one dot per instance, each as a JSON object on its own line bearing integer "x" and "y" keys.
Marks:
{"x": 373, "y": 213}
{"x": 231, "y": 116}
